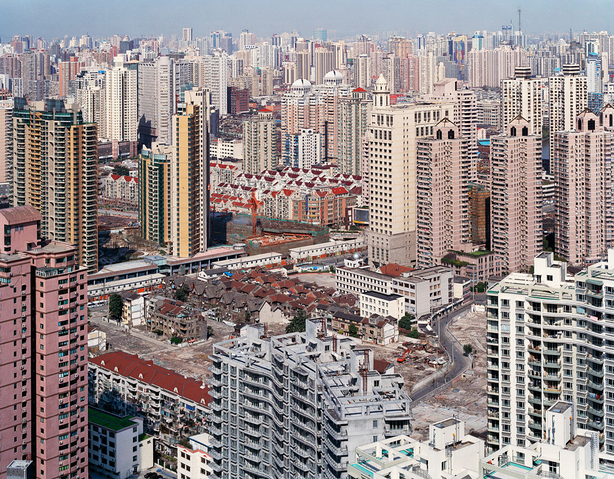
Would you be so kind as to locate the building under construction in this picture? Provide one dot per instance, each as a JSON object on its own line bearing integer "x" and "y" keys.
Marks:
{"x": 272, "y": 235}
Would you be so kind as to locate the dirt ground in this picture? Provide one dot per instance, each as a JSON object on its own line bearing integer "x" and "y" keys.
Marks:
{"x": 466, "y": 396}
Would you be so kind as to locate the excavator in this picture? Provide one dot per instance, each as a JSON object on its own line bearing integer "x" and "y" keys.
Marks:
{"x": 402, "y": 358}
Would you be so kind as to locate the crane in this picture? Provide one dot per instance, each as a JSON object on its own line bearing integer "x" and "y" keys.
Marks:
{"x": 253, "y": 205}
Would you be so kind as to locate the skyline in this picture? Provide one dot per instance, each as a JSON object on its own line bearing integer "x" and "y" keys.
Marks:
{"x": 146, "y": 18}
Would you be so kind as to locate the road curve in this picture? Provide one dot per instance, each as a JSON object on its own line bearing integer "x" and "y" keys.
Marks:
{"x": 459, "y": 361}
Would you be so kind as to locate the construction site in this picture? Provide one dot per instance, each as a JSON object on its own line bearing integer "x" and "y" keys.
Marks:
{"x": 465, "y": 395}
{"x": 262, "y": 235}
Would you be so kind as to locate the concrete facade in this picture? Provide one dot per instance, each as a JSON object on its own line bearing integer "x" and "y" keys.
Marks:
{"x": 516, "y": 216}
{"x": 284, "y": 402}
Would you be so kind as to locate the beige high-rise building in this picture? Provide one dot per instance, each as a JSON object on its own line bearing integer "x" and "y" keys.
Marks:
{"x": 393, "y": 133}
{"x": 444, "y": 172}
{"x": 568, "y": 97}
{"x": 400, "y": 46}
{"x": 523, "y": 96}
{"x": 121, "y": 95}
{"x": 303, "y": 66}
{"x": 190, "y": 175}
{"x": 516, "y": 196}
{"x": 352, "y": 121}
{"x": 362, "y": 71}
{"x": 581, "y": 165}
{"x": 260, "y": 143}
{"x": 6, "y": 140}
{"x": 55, "y": 157}
{"x": 324, "y": 61}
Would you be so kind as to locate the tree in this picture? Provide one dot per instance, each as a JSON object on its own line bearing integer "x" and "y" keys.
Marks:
{"x": 181, "y": 294}
{"x": 353, "y": 331}
{"x": 176, "y": 340}
{"x": 297, "y": 323}
{"x": 414, "y": 333}
{"x": 209, "y": 331}
{"x": 116, "y": 307}
{"x": 121, "y": 170}
{"x": 468, "y": 349}
{"x": 405, "y": 321}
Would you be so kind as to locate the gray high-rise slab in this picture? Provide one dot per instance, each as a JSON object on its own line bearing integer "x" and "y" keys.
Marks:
{"x": 299, "y": 404}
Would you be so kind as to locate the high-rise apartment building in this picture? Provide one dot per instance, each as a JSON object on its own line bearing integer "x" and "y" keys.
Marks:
{"x": 516, "y": 196}
{"x": 352, "y": 117}
{"x": 581, "y": 163}
{"x": 260, "y": 143}
{"x": 6, "y": 140}
{"x": 444, "y": 169}
{"x": 523, "y": 96}
{"x": 120, "y": 108}
{"x": 190, "y": 175}
{"x": 568, "y": 97}
{"x": 393, "y": 132}
{"x": 216, "y": 79}
{"x": 548, "y": 341}
{"x": 43, "y": 297}
{"x": 55, "y": 160}
{"x": 154, "y": 193}
{"x": 298, "y": 405}
{"x": 187, "y": 34}
{"x": 67, "y": 71}
{"x": 156, "y": 100}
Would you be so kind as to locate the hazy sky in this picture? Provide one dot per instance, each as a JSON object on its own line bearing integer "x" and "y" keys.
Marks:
{"x": 54, "y": 18}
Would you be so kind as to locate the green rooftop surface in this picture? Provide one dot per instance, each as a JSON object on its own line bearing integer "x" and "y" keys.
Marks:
{"x": 108, "y": 421}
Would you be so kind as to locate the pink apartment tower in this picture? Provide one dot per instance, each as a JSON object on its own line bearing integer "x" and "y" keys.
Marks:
{"x": 516, "y": 196}
{"x": 43, "y": 350}
{"x": 582, "y": 167}
{"x": 444, "y": 172}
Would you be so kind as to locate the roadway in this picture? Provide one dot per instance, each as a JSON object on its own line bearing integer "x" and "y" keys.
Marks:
{"x": 458, "y": 362}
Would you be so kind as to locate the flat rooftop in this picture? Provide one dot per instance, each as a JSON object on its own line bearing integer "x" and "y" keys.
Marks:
{"x": 109, "y": 421}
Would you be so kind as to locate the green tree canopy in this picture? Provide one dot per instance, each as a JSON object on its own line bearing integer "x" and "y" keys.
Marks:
{"x": 116, "y": 306}
{"x": 297, "y": 323}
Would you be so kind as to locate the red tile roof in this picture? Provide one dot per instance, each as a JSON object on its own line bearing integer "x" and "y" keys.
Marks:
{"x": 130, "y": 365}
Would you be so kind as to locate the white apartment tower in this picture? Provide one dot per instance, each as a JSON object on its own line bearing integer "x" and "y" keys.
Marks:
{"x": 582, "y": 168}
{"x": 156, "y": 101}
{"x": 298, "y": 405}
{"x": 522, "y": 96}
{"x": 549, "y": 339}
{"x": 516, "y": 216}
{"x": 352, "y": 118}
{"x": 216, "y": 79}
{"x": 121, "y": 94}
{"x": 260, "y": 143}
{"x": 393, "y": 132}
{"x": 444, "y": 169}
{"x": 568, "y": 97}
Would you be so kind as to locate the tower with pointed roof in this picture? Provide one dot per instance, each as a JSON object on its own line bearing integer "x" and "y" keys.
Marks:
{"x": 393, "y": 133}
{"x": 516, "y": 196}
{"x": 581, "y": 165}
{"x": 444, "y": 173}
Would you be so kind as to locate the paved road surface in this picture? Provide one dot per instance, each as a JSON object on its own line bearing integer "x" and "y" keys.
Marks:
{"x": 459, "y": 361}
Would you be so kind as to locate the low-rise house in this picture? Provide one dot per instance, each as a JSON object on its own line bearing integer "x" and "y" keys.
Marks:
{"x": 174, "y": 407}
{"x": 374, "y": 303}
{"x": 449, "y": 454}
{"x": 96, "y": 342}
{"x": 194, "y": 462}
{"x": 133, "y": 312}
{"x": 476, "y": 264}
{"x": 118, "y": 446}
{"x": 174, "y": 319}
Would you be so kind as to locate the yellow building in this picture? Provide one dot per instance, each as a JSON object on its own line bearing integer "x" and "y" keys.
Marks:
{"x": 54, "y": 170}
{"x": 190, "y": 175}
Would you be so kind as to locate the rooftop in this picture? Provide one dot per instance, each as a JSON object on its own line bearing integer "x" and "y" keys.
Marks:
{"x": 109, "y": 421}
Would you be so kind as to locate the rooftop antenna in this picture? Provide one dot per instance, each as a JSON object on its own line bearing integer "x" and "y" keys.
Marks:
{"x": 519, "y": 24}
